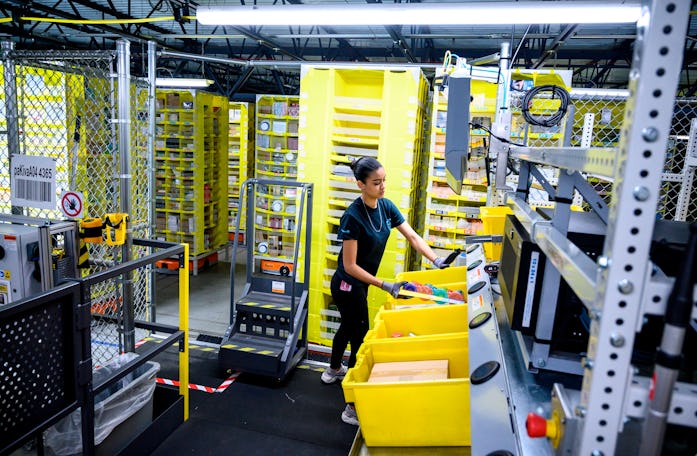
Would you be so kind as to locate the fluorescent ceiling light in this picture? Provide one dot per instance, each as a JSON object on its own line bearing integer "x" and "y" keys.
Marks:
{"x": 472, "y": 13}
{"x": 182, "y": 82}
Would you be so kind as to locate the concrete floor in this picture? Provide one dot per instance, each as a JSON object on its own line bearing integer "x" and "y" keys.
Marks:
{"x": 209, "y": 298}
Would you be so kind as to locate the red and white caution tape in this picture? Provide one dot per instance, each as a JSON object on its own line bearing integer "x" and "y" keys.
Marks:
{"x": 229, "y": 381}
{"x": 206, "y": 389}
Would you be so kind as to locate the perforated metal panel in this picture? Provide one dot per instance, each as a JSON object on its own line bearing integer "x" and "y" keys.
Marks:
{"x": 36, "y": 366}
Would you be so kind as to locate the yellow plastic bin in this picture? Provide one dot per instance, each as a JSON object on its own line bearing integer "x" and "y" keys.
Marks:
{"x": 452, "y": 278}
{"x": 413, "y": 413}
{"x": 493, "y": 220}
{"x": 419, "y": 322}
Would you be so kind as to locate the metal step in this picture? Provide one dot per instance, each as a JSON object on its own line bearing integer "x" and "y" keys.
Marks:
{"x": 256, "y": 344}
{"x": 266, "y": 303}
{"x": 251, "y": 353}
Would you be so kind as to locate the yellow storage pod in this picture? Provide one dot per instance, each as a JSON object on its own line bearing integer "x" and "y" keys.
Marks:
{"x": 413, "y": 413}
{"x": 419, "y": 322}
{"x": 347, "y": 112}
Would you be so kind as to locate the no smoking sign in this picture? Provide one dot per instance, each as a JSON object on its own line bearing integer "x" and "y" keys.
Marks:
{"x": 71, "y": 204}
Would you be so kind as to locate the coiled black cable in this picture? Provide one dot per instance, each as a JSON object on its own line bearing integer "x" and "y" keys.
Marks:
{"x": 545, "y": 120}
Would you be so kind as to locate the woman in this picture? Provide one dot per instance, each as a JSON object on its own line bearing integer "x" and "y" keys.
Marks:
{"x": 364, "y": 230}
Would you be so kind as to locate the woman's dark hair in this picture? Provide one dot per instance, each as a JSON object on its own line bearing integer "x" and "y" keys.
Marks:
{"x": 363, "y": 166}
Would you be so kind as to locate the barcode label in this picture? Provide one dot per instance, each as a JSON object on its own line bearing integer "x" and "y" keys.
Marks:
{"x": 33, "y": 190}
{"x": 33, "y": 181}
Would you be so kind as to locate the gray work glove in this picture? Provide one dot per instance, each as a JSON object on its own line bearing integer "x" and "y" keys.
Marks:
{"x": 440, "y": 263}
{"x": 392, "y": 288}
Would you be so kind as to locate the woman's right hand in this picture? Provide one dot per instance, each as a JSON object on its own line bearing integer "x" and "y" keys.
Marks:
{"x": 392, "y": 288}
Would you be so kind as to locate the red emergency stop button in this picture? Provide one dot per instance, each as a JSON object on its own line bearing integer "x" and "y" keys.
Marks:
{"x": 536, "y": 425}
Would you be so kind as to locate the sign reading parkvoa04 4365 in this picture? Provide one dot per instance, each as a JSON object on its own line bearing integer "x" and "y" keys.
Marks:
{"x": 33, "y": 181}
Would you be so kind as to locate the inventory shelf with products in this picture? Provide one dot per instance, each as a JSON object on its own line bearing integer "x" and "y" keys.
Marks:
{"x": 348, "y": 113}
{"x": 276, "y": 153}
{"x": 276, "y": 137}
{"x": 276, "y": 211}
{"x": 450, "y": 217}
{"x": 240, "y": 158}
{"x": 191, "y": 170}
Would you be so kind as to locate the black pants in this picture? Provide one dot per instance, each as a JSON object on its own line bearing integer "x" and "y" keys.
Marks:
{"x": 353, "y": 307}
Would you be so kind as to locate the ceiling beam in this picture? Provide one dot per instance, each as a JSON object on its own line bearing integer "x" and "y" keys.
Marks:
{"x": 36, "y": 39}
{"x": 560, "y": 39}
{"x": 400, "y": 41}
{"x": 120, "y": 15}
{"x": 52, "y": 12}
{"x": 267, "y": 42}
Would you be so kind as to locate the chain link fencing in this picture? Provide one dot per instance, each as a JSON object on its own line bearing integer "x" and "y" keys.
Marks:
{"x": 66, "y": 106}
{"x": 597, "y": 122}
{"x": 602, "y": 116}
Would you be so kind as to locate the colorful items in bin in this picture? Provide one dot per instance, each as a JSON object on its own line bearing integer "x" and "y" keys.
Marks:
{"x": 438, "y": 292}
{"x": 456, "y": 295}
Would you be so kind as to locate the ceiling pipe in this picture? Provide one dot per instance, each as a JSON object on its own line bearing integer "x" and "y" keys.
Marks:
{"x": 290, "y": 63}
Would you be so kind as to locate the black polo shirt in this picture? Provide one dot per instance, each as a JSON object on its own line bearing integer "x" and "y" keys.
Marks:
{"x": 371, "y": 234}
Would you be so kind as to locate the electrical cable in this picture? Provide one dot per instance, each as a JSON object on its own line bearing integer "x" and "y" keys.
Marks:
{"x": 509, "y": 163}
{"x": 144, "y": 20}
{"x": 500, "y": 138}
{"x": 545, "y": 120}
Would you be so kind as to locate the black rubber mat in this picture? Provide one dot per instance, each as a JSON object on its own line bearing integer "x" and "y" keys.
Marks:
{"x": 256, "y": 415}
{"x": 209, "y": 338}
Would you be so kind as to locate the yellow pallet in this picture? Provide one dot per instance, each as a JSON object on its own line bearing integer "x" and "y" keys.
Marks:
{"x": 420, "y": 413}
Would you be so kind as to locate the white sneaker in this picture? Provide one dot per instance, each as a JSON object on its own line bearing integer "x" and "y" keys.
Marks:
{"x": 349, "y": 415}
{"x": 330, "y": 375}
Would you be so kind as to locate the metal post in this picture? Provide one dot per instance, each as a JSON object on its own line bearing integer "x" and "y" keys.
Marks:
{"x": 11, "y": 109}
{"x": 658, "y": 52}
{"x": 547, "y": 310}
{"x": 502, "y": 125}
{"x": 124, "y": 124}
{"x": 152, "y": 94}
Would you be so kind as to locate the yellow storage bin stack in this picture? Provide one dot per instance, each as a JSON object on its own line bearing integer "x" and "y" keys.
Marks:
{"x": 493, "y": 220}
{"x": 450, "y": 217}
{"x": 347, "y": 113}
{"x": 240, "y": 159}
{"x": 191, "y": 151}
{"x": 413, "y": 413}
{"x": 418, "y": 322}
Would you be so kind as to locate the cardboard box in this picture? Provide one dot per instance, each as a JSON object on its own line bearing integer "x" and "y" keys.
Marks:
{"x": 173, "y": 100}
{"x": 409, "y": 371}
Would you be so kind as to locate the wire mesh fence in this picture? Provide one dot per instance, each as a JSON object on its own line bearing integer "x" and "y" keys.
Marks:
{"x": 597, "y": 122}
{"x": 66, "y": 108}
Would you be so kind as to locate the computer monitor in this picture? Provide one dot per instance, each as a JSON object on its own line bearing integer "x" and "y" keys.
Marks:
{"x": 457, "y": 131}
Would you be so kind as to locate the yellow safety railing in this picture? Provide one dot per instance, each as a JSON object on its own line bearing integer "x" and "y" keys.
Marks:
{"x": 184, "y": 327}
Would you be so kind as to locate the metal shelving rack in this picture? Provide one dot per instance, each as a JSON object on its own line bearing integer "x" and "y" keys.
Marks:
{"x": 619, "y": 289}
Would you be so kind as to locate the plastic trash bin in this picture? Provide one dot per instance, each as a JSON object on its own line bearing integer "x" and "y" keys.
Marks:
{"x": 121, "y": 411}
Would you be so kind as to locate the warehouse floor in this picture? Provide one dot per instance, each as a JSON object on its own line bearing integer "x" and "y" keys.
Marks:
{"x": 253, "y": 415}
{"x": 209, "y": 298}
